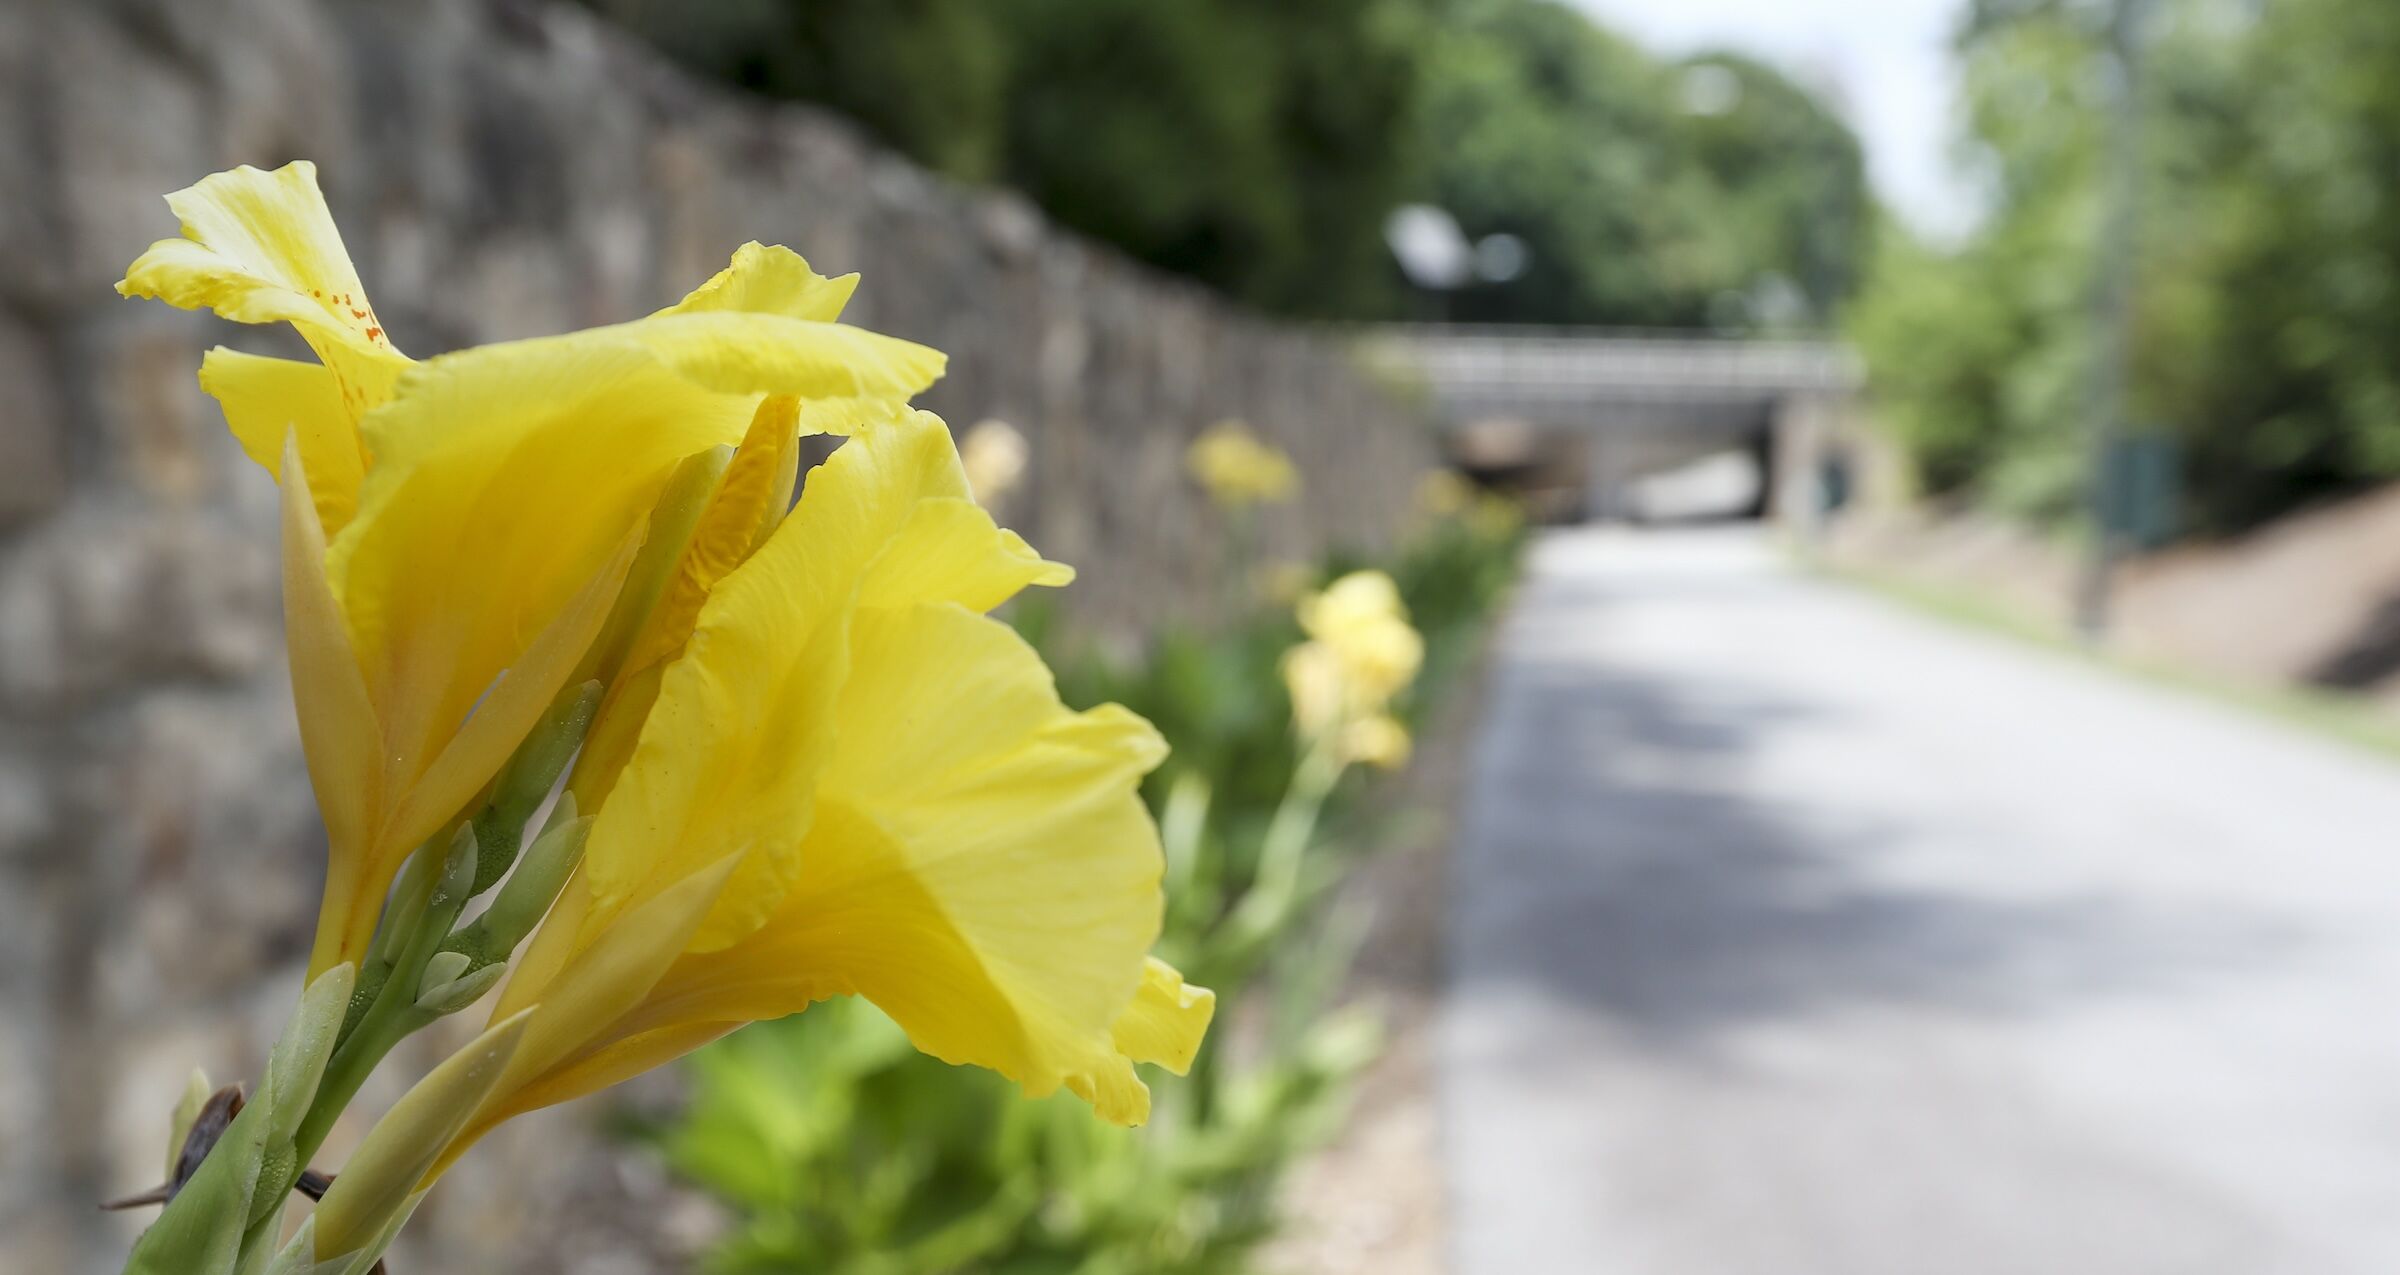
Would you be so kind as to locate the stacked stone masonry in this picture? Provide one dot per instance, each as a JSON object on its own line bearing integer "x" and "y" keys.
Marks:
{"x": 499, "y": 170}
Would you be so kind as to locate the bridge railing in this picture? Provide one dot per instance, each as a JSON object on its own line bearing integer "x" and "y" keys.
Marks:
{"x": 1497, "y": 362}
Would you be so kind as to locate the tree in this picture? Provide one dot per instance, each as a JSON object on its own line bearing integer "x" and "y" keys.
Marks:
{"x": 1259, "y": 145}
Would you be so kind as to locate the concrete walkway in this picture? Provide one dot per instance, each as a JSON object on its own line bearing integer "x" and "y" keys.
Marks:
{"x": 1794, "y": 934}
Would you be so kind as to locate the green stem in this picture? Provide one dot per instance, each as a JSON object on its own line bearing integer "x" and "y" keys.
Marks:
{"x": 392, "y": 1019}
{"x": 1275, "y": 887}
{"x": 393, "y": 1015}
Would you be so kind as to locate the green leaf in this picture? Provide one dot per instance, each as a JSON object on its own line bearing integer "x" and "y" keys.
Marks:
{"x": 379, "y": 1179}
{"x": 298, "y": 1256}
{"x": 200, "y": 1230}
{"x": 294, "y": 1067}
{"x": 298, "y": 1060}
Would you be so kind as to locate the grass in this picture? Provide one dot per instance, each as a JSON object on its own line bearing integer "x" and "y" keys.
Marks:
{"x": 2330, "y": 714}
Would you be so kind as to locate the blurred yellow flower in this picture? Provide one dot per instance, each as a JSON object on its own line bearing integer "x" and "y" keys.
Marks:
{"x": 1238, "y": 470}
{"x": 1360, "y": 653}
{"x": 995, "y": 455}
{"x": 1379, "y": 740}
{"x": 1362, "y": 620}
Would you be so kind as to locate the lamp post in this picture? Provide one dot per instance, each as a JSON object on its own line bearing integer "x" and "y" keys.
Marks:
{"x": 2112, "y": 311}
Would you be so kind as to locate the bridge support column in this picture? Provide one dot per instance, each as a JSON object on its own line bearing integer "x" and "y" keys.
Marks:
{"x": 1802, "y": 448}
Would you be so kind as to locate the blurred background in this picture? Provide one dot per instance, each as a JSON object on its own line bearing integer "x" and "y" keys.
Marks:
{"x": 1902, "y": 498}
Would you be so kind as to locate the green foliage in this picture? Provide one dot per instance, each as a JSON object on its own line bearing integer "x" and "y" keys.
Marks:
{"x": 1255, "y": 144}
{"x": 1642, "y": 201}
{"x": 843, "y": 1150}
{"x": 1978, "y": 355}
{"x": 2265, "y": 306}
{"x": 1258, "y": 145}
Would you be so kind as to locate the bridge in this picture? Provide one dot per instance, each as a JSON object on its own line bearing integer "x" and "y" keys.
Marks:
{"x": 1583, "y": 415}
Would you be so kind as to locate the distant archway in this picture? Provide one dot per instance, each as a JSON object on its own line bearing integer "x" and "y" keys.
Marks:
{"x": 1579, "y": 416}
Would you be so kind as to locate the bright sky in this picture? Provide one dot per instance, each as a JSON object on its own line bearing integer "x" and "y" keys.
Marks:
{"x": 1887, "y": 63}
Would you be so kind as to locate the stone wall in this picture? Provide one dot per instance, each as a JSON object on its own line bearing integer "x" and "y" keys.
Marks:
{"x": 499, "y": 169}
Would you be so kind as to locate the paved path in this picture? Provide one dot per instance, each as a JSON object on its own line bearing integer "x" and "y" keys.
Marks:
{"x": 1794, "y": 934}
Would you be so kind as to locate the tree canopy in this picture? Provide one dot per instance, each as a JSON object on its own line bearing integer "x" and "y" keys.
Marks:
{"x": 2265, "y": 307}
{"x": 1260, "y": 145}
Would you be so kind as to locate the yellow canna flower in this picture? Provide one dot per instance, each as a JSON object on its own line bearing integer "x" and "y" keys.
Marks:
{"x": 1361, "y": 619}
{"x": 1379, "y": 740}
{"x": 1238, "y": 470}
{"x": 816, "y": 766}
{"x": 855, "y": 783}
{"x": 1361, "y": 651}
{"x": 470, "y": 518}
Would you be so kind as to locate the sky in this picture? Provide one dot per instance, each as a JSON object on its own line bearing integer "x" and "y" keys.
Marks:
{"x": 1886, "y": 62}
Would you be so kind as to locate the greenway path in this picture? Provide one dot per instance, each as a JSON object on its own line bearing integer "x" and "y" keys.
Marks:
{"x": 1796, "y": 934}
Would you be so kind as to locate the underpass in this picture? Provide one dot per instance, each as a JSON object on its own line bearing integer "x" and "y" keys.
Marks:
{"x": 1579, "y": 417}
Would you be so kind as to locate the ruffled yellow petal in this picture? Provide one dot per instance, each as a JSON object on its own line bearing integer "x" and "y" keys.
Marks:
{"x": 506, "y": 474}
{"x": 261, "y": 247}
{"x": 951, "y": 550}
{"x": 1167, "y": 1019}
{"x": 729, "y": 751}
{"x": 980, "y": 866}
{"x": 921, "y": 536}
{"x": 770, "y": 280}
{"x": 268, "y": 400}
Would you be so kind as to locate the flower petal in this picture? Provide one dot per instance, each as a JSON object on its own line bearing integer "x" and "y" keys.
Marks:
{"x": 980, "y": 866}
{"x": 1167, "y": 1019}
{"x": 391, "y": 1161}
{"x": 770, "y": 280}
{"x": 611, "y": 976}
{"x": 261, "y": 247}
{"x": 509, "y": 710}
{"x": 338, "y": 731}
{"x": 729, "y": 753}
{"x": 266, "y": 400}
{"x": 950, "y": 550}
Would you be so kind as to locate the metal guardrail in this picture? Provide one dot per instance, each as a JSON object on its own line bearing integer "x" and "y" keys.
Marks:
{"x": 1490, "y": 367}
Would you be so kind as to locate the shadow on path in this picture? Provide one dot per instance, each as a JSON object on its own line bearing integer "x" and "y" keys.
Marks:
{"x": 1613, "y": 860}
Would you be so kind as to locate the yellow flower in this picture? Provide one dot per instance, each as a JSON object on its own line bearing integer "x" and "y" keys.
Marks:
{"x": 855, "y": 783}
{"x": 995, "y": 455}
{"x": 1238, "y": 470}
{"x": 1361, "y": 651}
{"x": 1379, "y": 740}
{"x": 1361, "y": 619}
{"x": 457, "y": 529}
{"x": 817, "y": 768}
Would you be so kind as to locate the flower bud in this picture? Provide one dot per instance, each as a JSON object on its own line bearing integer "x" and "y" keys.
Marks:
{"x": 527, "y": 894}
